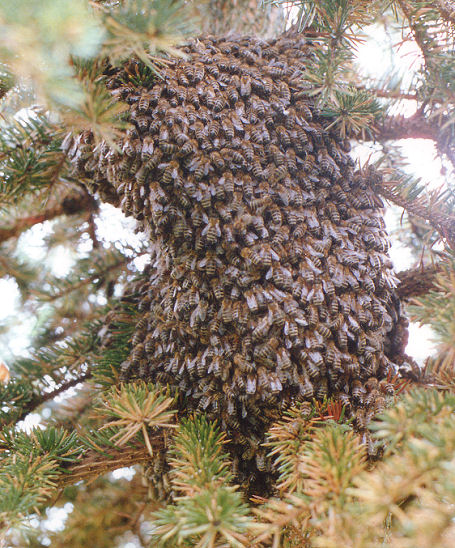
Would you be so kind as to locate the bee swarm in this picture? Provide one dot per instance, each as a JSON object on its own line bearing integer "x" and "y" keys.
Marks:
{"x": 270, "y": 280}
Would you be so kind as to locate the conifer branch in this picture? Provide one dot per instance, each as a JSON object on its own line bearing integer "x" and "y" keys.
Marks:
{"x": 417, "y": 281}
{"x": 430, "y": 206}
{"x": 99, "y": 274}
{"x": 36, "y": 400}
{"x": 93, "y": 464}
{"x": 421, "y": 37}
{"x": 73, "y": 204}
{"x": 447, "y": 10}
{"x": 399, "y": 127}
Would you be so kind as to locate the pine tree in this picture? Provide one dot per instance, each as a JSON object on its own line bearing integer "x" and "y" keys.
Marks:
{"x": 306, "y": 433}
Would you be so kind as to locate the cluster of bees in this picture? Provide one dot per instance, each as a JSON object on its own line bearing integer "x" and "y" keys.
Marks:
{"x": 270, "y": 280}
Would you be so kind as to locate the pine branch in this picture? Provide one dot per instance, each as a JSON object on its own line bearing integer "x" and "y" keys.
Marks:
{"x": 431, "y": 206}
{"x": 56, "y": 367}
{"x": 421, "y": 37}
{"x": 93, "y": 464}
{"x": 38, "y": 400}
{"x": 208, "y": 508}
{"x": 399, "y": 127}
{"x": 437, "y": 308}
{"x": 417, "y": 281}
{"x": 70, "y": 286}
{"x": 31, "y": 157}
{"x": 73, "y": 204}
{"x": 447, "y": 10}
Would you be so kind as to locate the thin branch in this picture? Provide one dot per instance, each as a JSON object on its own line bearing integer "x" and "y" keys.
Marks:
{"x": 389, "y": 94}
{"x": 92, "y": 232}
{"x": 85, "y": 281}
{"x": 399, "y": 127}
{"x": 417, "y": 281}
{"x": 93, "y": 464}
{"x": 447, "y": 10}
{"x": 428, "y": 208}
{"x": 72, "y": 204}
{"x": 36, "y": 401}
{"x": 420, "y": 36}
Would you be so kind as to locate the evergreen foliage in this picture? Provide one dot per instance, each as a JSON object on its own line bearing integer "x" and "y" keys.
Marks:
{"x": 337, "y": 482}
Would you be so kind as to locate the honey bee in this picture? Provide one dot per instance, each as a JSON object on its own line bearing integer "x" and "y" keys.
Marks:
{"x": 193, "y": 98}
{"x": 245, "y": 85}
{"x": 213, "y": 70}
{"x": 181, "y": 93}
{"x": 257, "y": 136}
{"x": 193, "y": 297}
{"x": 168, "y": 148}
{"x": 342, "y": 338}
{"x": 179, "y": 227}
{"x": 147, "y": 148}
{"x": 240, "y": 315}
{"x": 244, "y": 365}
{"x": 226, "y": 310}
{"x": 280, "y": 173}
{"x": 142, "y": 123}
{"x": 275, "y": 213}
{"x": 137, "y": 353}
{"x": 170, "y": 171}
{"x": 154, "y": 127}
{"x": 195, "y": 72}
{"x": 228, "y": 128}
{"x": 322, "y": 389}
{"x": 155, "y": 94}
{"x": 333, "y": 356}
{"x": 357, "y": 390}
{"x": 258, "y": 108}
{"x": 141, "y": 177}
{"x": 213, "y": 129}
{"x": 208, "y": 264}
{"x": 306, "y": 389}
{"x": 262, "y": 461}
{"x": 232, "y": 94}
{"x": 251, "y": 384}
{"x": 283, "y": 136}
{"x": 251, "y": 300}
{"x": 129, "y": 149}
{"x": 313, "y": 316}
{"x": 251, "y": 256}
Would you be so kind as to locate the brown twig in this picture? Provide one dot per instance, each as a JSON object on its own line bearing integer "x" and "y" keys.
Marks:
{"x": 93, "y": 464}
{"x": 420, "y": 36}
{"x": 119, "y": 264}
{"x": 447, "y": 10}
{"x": 92, "y": 231}
{"x": 417, "y": 281}
{"x": 389, "y": 94}
{"x": 399, "y": 127}
{"x": 38, "y": 400}
{"x": 72, "y": 204}
{"x": 428, "y": 208}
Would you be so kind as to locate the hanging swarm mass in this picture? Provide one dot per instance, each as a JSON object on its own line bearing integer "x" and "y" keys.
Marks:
{"x": 270, "y": 281}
